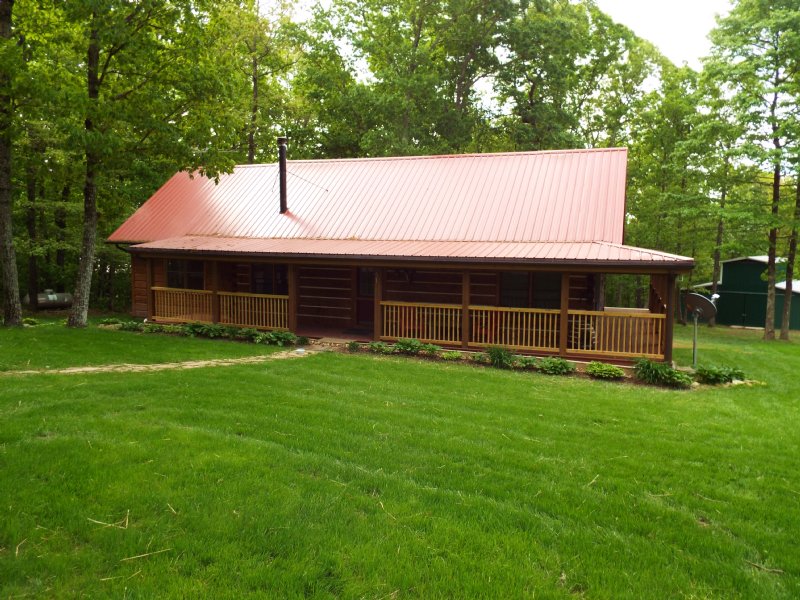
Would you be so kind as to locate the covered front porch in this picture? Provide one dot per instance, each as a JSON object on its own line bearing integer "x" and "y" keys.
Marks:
{"x": 542, "y": 312}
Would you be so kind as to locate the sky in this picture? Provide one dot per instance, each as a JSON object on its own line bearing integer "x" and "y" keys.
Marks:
{"x": 678, "y": 27}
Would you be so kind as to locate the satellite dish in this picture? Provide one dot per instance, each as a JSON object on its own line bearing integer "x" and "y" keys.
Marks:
{"x": 700, "y": 307}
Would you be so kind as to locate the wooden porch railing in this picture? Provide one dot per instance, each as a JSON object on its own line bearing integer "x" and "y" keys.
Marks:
{"x": 262, "y": 311}
{"x": 180, "y": 305}
{"x": 432, "y": 323}
{"x": 619, "y": 333}
{"x": 520, "y": 328}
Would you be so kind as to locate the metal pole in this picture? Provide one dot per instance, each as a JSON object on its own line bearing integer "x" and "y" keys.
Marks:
{"x": 694, "y": 343}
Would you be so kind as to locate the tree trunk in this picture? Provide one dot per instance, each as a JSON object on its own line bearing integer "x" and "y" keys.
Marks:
{"x": 787, "y": 294}
{"x": 60, "y": 220}
{"x": 769, "y": 321}
{"x": 12, "y": 308}
{"x": 30, "y": 221}
{"x": 717, "y": 270}
{"x": 83, "y": 282}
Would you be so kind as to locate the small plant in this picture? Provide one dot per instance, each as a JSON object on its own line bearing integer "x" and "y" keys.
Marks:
{"x": 247, "y": 334}
{"x": 152, "y": 328}
{"x": 131, "y": 326}
{"x": 451, "y": 355}
{"x": 482, "y": 358}
{"x": 302, "y": 341}
{"x": 528, "y": 363}
{"x": 600, "y": 370}
{"x": 353, "y": 346}
{"x": 278, "y": 338}
{"x": 712, "y": 375}
{"x": 500, "y": 358}
{"x": 552, "y": 365}
{"x": 380, "y": 348}
{"x": 408, "y": 346}
{"x": 660, "y": 374}
{"x": 430, "y": 349}
{"x": 30, "y": 321}
{"x": 111, "y": 321}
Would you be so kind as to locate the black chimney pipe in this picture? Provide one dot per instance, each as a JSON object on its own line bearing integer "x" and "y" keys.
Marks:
{"x": 282, "y": 171}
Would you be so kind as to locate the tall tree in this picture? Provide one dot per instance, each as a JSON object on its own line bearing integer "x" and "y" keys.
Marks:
{"x": 9, "y": 64}
{"x": 754, "y": 51}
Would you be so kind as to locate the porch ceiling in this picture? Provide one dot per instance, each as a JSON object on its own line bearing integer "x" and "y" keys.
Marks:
{"x": 542, "y": 253}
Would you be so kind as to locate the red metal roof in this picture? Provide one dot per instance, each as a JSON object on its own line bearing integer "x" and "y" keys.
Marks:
{"x": 506, "y": 205}
{"x": 530, "y": 252}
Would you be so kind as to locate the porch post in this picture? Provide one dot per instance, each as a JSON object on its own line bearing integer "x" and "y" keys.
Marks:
{"x": 465, "y": 298}
{"x": 669, "y": 319}
{"x": 215, "y": 315}
{"x": 378, "y": 309}
{"x": 151, "y": 299}
{"x": 564, "y": 317}
{"x": 293, "y": 299}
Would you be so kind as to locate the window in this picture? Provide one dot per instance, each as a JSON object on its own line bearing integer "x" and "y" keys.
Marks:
{"x": 514, "y": 289}
{"x": 366, "y": 283}
{"x": 269, "y": 279}
{"x": 185, "y": 274}
{"x": 546, "y": 290}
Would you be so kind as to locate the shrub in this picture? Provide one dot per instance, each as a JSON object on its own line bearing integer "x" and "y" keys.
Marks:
{"x": 152, "y": 328}
{"x": 526, "y": 362}
{"x": 131, "y": 326}
{"x": 408, "y": 346}
{"x": 451, "y": 355}
{"x": 111, "y": 321}
{"x": 660, "y": 374}
{"x": 353, "y": 346}
{"x": 552, "y": 365}
{"x": 247, "y": 334}
{"x": 278, "y": 338}
{"x": 302, "y": 341}
{"x": 380, "y": 348}
{"x": 500, "y": 358}
{"x": 481, "y": 358}
{"x": 712, "y": 375}
{"x": 430, "y": 349}
{"x": 599, "y": 370}
{"x": 29, "y": 321}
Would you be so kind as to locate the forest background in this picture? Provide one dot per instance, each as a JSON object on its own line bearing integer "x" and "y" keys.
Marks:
{"x": 101, "y": 101}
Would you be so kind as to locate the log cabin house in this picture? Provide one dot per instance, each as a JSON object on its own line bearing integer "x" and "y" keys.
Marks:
{"x": 466, "y": 251}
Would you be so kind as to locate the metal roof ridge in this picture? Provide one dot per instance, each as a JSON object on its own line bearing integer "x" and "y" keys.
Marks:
{"x": 443, "y": 156}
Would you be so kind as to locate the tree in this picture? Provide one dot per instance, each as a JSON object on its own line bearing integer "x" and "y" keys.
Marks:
{"x": 9, "y": 64}
{"x": 755, "y": 51}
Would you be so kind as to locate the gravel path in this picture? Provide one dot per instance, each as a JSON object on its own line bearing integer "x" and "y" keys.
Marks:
{"x": 190, "y": 364}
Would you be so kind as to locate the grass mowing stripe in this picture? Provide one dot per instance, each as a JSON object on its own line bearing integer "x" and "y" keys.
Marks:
{"x": 353, "y": 476}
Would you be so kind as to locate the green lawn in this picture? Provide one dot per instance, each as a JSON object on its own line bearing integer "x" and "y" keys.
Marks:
{"x": 355, "y": 476}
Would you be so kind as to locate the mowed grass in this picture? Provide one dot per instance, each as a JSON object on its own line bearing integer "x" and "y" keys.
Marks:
{"x": 355, "y": 476}
{"x": 51, "y": 345}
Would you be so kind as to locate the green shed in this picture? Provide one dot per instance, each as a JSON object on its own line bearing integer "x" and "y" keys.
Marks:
{"x": 743, "y": 293}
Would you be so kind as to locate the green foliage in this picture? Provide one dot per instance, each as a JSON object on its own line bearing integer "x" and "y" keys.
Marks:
{"x": 527, "y": 363}
{"x": 248, "y": 334}
{"x": 353, "y": 346}
{"x": 661, "y": 374}
{"x": 380, "y": 348}
{"x": 111, "y": 321}
{"x": 500, "y": 358}
{"x": 132, "y": 326}
{"x": 552, "y": 365}
{"x": 30, "y": 321}
{"x": 430, "y": 349}
{"x": 451, "y": 355}
{"x": 277, "y": 338}
{"x": 482, "y": 358}
{"x": 302, "y": 341}
{"x": 409, "y": 346}
{"x": 713, "y": 375}
{"x": 600, "y": 370}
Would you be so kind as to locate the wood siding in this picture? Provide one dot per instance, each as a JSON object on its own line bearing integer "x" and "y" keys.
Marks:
{"x": 325, "y": 296}
{"x": 140, "y": 287}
